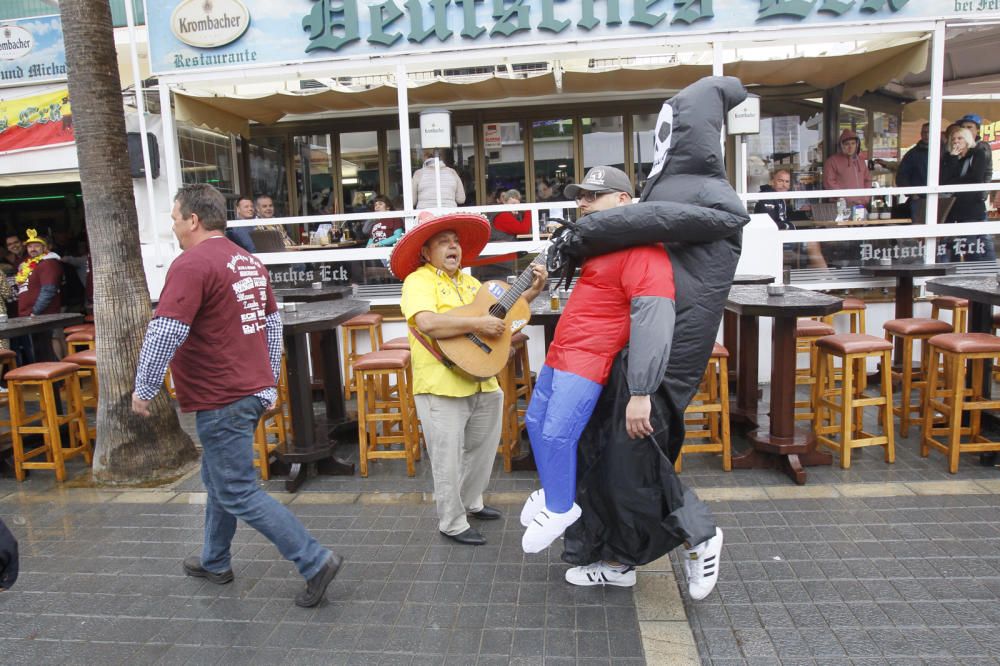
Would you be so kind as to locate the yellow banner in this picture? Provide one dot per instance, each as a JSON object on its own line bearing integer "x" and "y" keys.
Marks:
{"x": 34, "y": 121}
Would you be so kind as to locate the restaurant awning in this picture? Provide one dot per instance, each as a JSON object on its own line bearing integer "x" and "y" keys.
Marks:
{"x": 952, "y": 110}
{"x": 221, "y": 108}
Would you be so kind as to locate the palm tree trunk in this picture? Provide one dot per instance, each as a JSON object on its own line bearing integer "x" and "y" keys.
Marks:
{"x": 129, "y": 449}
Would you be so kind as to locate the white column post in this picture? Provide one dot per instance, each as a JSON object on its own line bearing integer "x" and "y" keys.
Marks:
{"x": 403, "y": 104}
{"x": 933, "y": 145}
{"x": 140, "y": 103}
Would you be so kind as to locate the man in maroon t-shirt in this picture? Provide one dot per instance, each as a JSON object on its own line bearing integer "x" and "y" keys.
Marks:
{"x": 219, "y": 329}
{"x": 38, "y": 279}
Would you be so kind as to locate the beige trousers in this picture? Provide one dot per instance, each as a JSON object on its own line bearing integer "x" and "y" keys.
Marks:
{"x": 462, "y": 436}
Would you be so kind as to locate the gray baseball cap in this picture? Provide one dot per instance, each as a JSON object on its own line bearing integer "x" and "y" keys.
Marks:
{"x": 602, "y": 179}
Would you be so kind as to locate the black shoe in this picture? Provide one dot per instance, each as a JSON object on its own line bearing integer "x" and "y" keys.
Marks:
{"x": 469, "y": 537}
{"x": 486, "y": 513}
{"x": 316, "y": 586}
{"x": 192, "y": 567}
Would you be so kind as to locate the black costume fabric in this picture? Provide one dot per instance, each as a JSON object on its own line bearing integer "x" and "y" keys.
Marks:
{"x": 627, "y": 489}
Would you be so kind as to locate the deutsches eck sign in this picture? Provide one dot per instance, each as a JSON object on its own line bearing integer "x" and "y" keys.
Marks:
{"x": 209, "y": 23}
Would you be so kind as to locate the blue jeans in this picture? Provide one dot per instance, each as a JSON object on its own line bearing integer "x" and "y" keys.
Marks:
{"x": 560, "y": 408}
{"x": 227, "y": 471}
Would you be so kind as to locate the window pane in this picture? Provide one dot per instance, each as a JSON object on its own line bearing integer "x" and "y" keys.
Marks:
{"x": 643, "y": 128}
{"x": 267, "y": 172}
{"x": 504, "y": 148}
{"x": 394, "y": 188}
{"x": 463, "y": 143}
{"x": 552, "y": 147}
{"x": 313, "y": 164}
{"x": 603, "y": 142}
{"x": 206, "y": 157}
{"x": 359, "y": 169}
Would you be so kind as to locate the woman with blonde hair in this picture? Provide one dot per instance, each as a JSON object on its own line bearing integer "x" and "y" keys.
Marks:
{"x": 962, "y": 164}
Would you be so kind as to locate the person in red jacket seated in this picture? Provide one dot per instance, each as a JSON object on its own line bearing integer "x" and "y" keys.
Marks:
{"x": 510, "y": 222}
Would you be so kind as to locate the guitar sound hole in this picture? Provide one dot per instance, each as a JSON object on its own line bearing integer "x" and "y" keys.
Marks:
{"x": 498, "y": 311}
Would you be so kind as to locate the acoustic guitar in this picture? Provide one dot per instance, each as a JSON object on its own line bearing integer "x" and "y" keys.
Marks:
{"x": 481, "y": 357}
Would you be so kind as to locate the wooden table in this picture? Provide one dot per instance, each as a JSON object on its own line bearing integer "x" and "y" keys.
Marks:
{"x": 904, "y": 274}
{"x": 983, "y": 292}
{"x": 543, "y": 314}
{"x": 833, "y": 224}
{"x": 312, "y": 440}
{"x": 781, "y": 445}
{"x": 731, "y": 338}
{"x": 329, "y": 246}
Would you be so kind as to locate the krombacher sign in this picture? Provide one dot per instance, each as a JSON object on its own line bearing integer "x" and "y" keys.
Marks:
{"x": 289, "y": 31}
{"x": 209, "y": 23}
{"x": 15, "y": 42}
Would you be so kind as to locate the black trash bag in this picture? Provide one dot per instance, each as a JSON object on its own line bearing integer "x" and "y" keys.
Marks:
{"x": 688, "y": 205}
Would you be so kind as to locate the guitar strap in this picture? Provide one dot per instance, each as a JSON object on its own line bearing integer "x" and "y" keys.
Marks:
{"x": 429, "y": 347}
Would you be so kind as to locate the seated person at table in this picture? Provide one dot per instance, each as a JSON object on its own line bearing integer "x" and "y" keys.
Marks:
{"x": 799, "y": 254}
{"x": 846, "y": 170}
{"x": 461, "y": 416}
{"x": 508, "y": 224}
{"x": 383, "y": 232}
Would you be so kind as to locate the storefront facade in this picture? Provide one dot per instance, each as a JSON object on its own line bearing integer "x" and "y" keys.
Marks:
{"x": 318, "y": 101}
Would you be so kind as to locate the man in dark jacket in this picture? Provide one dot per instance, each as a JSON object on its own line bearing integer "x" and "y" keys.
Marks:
{"x": 634, "y": 508}
{"x": 913, "y": 167}
{"x": 8, "y": 558}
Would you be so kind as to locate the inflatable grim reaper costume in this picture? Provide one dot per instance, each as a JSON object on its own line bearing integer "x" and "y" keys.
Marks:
{"x": 634, "y": 508}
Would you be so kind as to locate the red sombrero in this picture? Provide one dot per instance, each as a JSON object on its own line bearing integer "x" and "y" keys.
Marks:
{"x": 473, "y": 234}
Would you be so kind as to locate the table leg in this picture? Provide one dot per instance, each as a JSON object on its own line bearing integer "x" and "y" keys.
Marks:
{"x": 904, "y": 310}
{"x": 783, "y": 445}
{"x": 745, "y": 411}
{"x": 730, "y": 340}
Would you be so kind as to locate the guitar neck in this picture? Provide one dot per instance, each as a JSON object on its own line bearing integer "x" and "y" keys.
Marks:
{"x": 521, "y": 284}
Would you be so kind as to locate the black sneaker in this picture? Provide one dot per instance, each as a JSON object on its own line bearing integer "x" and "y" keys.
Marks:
{"x": 192, "y": 567}
{"x": 316, "y": 586}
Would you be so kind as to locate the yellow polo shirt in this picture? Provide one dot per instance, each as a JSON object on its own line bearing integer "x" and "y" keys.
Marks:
{"x": 428, "y": 289}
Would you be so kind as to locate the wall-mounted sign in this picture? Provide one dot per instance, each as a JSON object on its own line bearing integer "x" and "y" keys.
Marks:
{"x": 31, "y": 51}
{"x": 492, "y": 137}
{"x": 316, "y": 30}
{"x": 435, "y": 128}
{"x": 15, "y": 42}
{"x": 36, "y": 117}
{"x": 209, "y": 23}
{"x": 744, "y": 118}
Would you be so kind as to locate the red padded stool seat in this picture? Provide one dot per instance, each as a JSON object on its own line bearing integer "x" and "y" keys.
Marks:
{"x": 397, "y": 343}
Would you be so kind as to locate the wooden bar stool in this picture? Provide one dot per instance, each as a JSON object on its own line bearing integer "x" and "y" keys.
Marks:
{"x": 386, "y": 418}
{"x": 402, "y": 343}
{"x": 510, "y": 430}
{"x": 79, "y": 341}
{"x": 89, "y": 388}
{"x": 271, "y": 423}
{"x": 959, "y": 311}
{"x": 709, "y": 409}
{"x": 522, "y": 372}
{"x": 42, "y": 378}
{"x": 853, "y": 308}
{"x": 912, "y": 379}
{"x": 79, "y": 328}
{"x": 370, "y": 322}
{"x": 8, "y": 362}
{"x": 951, "y": 398}
{"x": 848, "y": 400}
{"x": 807, "y": 332}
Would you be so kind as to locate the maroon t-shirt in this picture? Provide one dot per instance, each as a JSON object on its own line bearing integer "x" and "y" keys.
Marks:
{"x": 48, "y": 271}
{"x": 223, "y": 293}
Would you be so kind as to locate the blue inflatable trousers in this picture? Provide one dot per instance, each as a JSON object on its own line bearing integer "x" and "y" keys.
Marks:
{"x": 560, "y": 407}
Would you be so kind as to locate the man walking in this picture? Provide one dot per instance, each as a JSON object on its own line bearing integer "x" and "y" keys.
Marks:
{"x": 218, "y": 327}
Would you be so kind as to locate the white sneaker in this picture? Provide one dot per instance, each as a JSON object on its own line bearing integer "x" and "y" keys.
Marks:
{"x": 534, "y": 504}
{"x": 546, "y": 527}
{"x": 600, "y": 573}
{"x": 702, "y": 566}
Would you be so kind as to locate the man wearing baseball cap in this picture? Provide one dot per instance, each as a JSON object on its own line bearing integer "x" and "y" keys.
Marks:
{"x": 621, "y": 298}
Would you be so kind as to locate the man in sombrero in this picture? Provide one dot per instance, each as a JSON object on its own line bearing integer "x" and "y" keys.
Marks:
{"x": 461, "y": 416}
